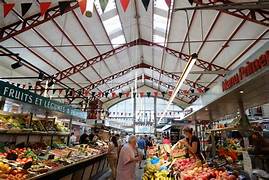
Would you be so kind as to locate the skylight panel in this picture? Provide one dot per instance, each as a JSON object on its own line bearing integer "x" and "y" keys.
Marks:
{"x": 158, "y": 39}
{"x": 112, "y": 25}
{"x": 162, "y": 5}
{"x": 118, "y": 41}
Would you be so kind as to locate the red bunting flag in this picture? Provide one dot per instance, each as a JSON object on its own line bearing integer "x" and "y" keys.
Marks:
{"x": 82, "y": 5}
{"x": 200, "y": 90}
{"x": 141, "y": 94}
{"x": 8, "y": 8}
{"x": 60, "y": 91}
{"x": 155, "y": 93}
{"x": 127, "y": 94}
{"x": 168, "y": 3}
{"x": 170, "y": 93}
{"x": 44, "y": 6}
{"x": 86, "y": 92}
{"x": 124, "y": 4}
{"x": 113, "y": 94}
{"x": 100, "y": 94}
{"x": 185, "y": 92}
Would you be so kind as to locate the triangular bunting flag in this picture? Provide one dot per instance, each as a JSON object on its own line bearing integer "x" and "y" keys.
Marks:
{"x": 23, "y": 86}
{"x": 93, "y": 94}
{"x": 44, "y": 6}
{"x": 82, "y": 5}
{"x": 124, "y": 4}
{"x": 25, "y": 7}
{"x": 168, "y": 2}
{"x": 100, "y": 94}
{"x": 30, "y": 86}
{"x": 146, "y": 4}
{"x": 141, "y": 94}
{"x": 63, "y": 5}
{"x": 66, "y": 92}
{"x": 18, "y": 85}
{"x": 106, "y": 94}
{"x": 113, "y": 94}
{"x": 134, "y": 95}
{"x": 60, "y": 91}
{"x": 127, "y": 94}
{"x": 148, "y": 94}
{"x": 8, "y": 8}
{"x": 53, "y": 91}
{"x": 89, "y": 8}
{"x": 103, "y": 4}
{"x": 200, "y": 90}
{"x": 120, "y": 95}
{"x": 170, "y": 93}
{"x": 185, "y": 92}
{"x": 155, "y": 93}
{"x": 86, "y": 92}
{"x": 163, "y": 93}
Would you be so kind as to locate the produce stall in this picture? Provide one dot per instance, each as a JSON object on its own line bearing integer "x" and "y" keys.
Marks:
{"x": 37, "y": 162}
{"x": 34, "y": 141}
{"x": 167, "y": 162}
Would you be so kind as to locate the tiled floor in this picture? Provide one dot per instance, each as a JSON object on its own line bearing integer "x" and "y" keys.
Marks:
{"x": 139, "y": 174}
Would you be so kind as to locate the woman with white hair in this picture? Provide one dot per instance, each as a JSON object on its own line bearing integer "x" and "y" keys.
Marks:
{"x": 127, "y": 160}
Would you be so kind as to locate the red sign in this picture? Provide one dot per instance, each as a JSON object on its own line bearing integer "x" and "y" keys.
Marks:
{"x": 245, "y": 71}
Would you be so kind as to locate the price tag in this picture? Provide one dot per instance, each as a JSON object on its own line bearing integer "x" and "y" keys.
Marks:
{"x": 247, "y": 162}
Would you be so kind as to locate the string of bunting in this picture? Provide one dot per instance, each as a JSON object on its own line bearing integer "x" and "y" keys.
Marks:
{"x": 86, "y": 93}
{"x": 116, "y": 114}
{"x": 86, "y": 6}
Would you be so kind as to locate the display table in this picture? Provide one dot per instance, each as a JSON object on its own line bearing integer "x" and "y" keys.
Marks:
{"x": 90, "y": 168}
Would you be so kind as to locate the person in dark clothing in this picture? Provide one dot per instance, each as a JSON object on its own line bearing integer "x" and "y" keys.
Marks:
{"x": 149, "y": 142}
{"x": 91, "y": 136}
{"x": 191, "y": 142}
{"x": 84, "y": 138}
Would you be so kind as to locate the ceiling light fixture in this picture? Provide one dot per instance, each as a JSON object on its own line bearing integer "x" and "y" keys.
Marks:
{"x": 182, "y": 78}
{"x": 241, "y": 92}
{"x": 16, "y": 65}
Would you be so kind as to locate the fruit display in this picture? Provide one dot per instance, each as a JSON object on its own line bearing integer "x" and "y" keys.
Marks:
{"x": 178, "y": 167}
{"x": 206, "y": 173}
{"x": 23, "y": 163}
{"x": 14, "y": 122}
{"x": 184, "y": 163}
{"x": 59, "y": 126}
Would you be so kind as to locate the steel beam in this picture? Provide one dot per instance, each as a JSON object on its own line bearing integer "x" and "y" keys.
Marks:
{"x": 81, "y": 66}
{"x": 242, "y": 54}
{"x": 32, "y": 21}
{"x": 226, "y": 44}
{"x": 258, "y": 16}
{"x": 130, "y": 82}
{"x": 141, "y": 65}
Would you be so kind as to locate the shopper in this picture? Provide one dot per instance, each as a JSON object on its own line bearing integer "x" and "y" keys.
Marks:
{"x": 166, "y": 140}
{"x": 149, "y": 142}
{"x": 112, "y": 156}
{"x": 127, "y": 160}
{"x": 191, "y": 142}
{"x": 141, "y": 144}
{"x": 84, "y": 138}
{"x": 73, "y": 139}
